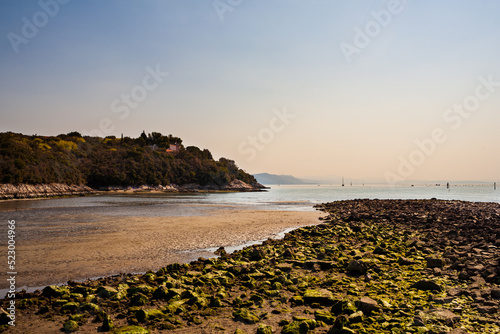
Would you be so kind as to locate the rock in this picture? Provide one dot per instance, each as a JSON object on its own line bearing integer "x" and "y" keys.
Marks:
{"x": 297, "y": 300}
{"x": 220, "y": 251}
{"x": 286, "y": 267}
{"x": 239, "y": 185}
{"x": 175, "y": 306}
{"x": 144, "y": 315}
{"x": 405, "y": 261}
{"x": 444, "y": 315}
{"x": 380, "y": 250}
{"x": 495, "y": 293}
{"x": 444, "y": 300}
{"x": 107, "y": 324}
{"x": 487, "y": 309}
{"x": 142, "y": 288}
{"x": 71, "y": 326}
{"x": 455, "y": 292}
{"x": 289, "y": 253}
{"x": 139, "y": 299}
{"x": 131, "y": 330}
{"x": 257, "y": 254}
{"x": 71, "y": 306}
{"x": 357, "y": 267}
{"x": 160, "y": 292}
{"x": 299, "y": 327}
{"x": 264, "y": 329}
{"x": 9, "y": 191}
{"x": 464, "y": 276}
{"x": 4, "y": 317}
{"x": 55, "y": 291}
{"x": 418, "y": 321}
{"x": 343, "y": 307}
{"x": 324, "y": 316}
{"x": 340, "y": 322}
{"x": 384, "y": 303}
{"x": 427, "y": 285}
{"x": 433, "y": 262}
{"x": 106, "y": 291}
{"x": 239, "y": 331}
{"x": 356, "y": 317}
{"x": 367, "y": 305}
{"x": 246, "y": 316}
{"x": 320, "y": 296}
{"x": 199, "y": 301}
{"x": 457, "y": 331}
{"x": 293, "y": 328}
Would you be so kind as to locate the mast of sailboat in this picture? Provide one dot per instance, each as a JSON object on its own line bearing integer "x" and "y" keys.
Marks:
{"x": 342, "y": 181}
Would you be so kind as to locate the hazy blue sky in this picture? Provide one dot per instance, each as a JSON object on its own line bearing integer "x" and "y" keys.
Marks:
{"x": 310, "y": 88}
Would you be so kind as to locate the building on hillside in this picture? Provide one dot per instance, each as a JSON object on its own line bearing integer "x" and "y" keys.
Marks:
{"x": 173, "y": 148}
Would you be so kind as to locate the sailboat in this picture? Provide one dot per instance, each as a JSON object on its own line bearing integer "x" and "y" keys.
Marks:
{"x": 342, "y": 181}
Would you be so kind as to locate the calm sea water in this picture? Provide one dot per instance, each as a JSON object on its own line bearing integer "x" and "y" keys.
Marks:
{"x": 299, "y": 198}
{"x": 305, "y": 196}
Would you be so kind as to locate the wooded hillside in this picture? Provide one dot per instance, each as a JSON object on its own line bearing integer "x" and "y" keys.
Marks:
{"x": 103, "y": 162}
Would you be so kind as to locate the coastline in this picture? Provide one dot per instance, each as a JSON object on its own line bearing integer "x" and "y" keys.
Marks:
{"x": 103, "y": 246}
{"x": 372, "y": 266}
{"x": 29, "y": 191}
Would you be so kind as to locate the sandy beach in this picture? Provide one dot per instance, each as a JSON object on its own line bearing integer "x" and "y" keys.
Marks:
{"x": 94, "y": 247}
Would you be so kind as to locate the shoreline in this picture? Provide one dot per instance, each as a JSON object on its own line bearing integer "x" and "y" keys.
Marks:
{"x": 210, "y": 252}
{"x": 57, "y": 190}
{"x": 101, "y": 246}
{"x": 372, "y": 266}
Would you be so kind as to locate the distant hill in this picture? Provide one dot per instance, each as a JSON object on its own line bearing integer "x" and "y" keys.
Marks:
{"x": 266, "y": 178}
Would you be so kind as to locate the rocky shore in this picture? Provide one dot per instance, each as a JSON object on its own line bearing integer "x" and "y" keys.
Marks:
{"x": 373, "y": 266}
{"x": 10, "y": 191}
{"x": 21, "y": 191}
{"x": 235, "y": 185}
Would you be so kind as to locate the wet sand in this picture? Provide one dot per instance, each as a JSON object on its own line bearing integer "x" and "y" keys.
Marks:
{"x": 102, "y": 246}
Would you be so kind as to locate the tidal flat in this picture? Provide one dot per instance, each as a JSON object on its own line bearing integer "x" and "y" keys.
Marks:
{"x": 371, "y": 266}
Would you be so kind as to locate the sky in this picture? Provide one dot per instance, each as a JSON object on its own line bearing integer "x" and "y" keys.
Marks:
{"x": 370, "y": 90}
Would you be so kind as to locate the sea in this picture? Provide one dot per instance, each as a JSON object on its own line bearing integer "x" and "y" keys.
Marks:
{"x": 277, "y": 197}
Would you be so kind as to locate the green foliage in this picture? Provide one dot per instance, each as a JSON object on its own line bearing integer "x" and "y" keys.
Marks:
{"x": 102, "y": 162}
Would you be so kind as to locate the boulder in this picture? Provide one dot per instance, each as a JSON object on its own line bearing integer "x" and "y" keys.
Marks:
{"x": 70, "y": 326}
{"x": 433, "y": 262}
{"x": 357, "y": 267}
{"x": 246, "y": 316}
{"x": 426, "y": 285}
{"x": 264, "y": 329}
{"x": 443, "y": 315}
{"x": 405, "y": 261}
{"x": 320, "y": 296}
{"x": 367, "y": 305}
{"x": 324, "y": 316}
